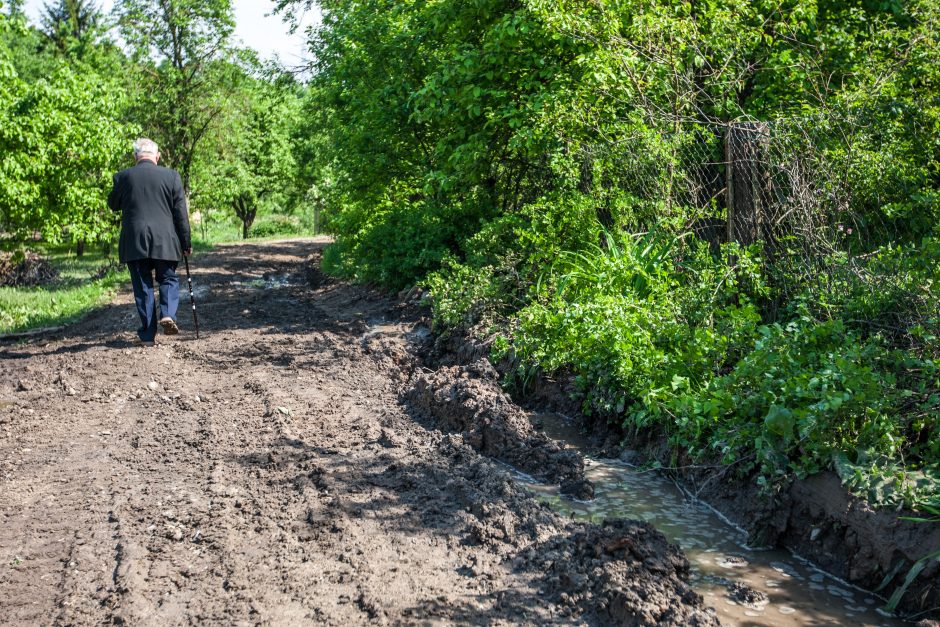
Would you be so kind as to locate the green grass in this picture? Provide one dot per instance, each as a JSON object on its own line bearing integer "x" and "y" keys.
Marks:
{"x": 268, "y": 226}
{"x": 77, "y": 293}
{"x": 217, "y": 231}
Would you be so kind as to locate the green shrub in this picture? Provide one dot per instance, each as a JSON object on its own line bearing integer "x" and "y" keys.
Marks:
{"x": 503, "y": 259}
{"x": 398, "y": 246}
{"x": 638, "y": 318}
{"x": 276, "y": 224}
{"x": 461, "y": 294}
{"x": 663, "y": 335}
{"x": 807, "y": 393}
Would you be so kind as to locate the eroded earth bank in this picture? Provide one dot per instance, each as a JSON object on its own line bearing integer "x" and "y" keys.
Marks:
{"x": 294, "y": 465}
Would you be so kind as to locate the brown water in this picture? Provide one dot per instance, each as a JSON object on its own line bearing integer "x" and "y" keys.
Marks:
{"x": 796, "y": 592}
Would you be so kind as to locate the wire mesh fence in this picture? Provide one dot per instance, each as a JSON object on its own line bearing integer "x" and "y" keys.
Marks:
{"x": 820, "y": 193}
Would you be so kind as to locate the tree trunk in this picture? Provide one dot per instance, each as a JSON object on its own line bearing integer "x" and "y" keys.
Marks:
{"x": 80, "y": 248}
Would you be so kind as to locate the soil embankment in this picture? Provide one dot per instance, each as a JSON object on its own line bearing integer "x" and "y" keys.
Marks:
{"x": 815, "y": 517}
{"x": 291, "y": 467}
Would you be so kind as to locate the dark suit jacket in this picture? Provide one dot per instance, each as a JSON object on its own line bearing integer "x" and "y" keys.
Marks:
{"x": 154, "y": 217}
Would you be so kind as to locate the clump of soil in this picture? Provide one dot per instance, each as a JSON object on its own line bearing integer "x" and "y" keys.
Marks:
{"x": 746, "y": 595}
{"x": 621, "y": 572}
{"x": 468, "y": 400}
{"x": 315, "y": 276}
{"x": 26, "y": 269}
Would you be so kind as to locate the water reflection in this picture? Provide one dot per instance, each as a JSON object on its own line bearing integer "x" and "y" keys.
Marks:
{"x": 779, "y": 589}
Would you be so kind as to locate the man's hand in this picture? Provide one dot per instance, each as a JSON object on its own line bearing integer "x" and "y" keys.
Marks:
{"x": 187, "y": 252}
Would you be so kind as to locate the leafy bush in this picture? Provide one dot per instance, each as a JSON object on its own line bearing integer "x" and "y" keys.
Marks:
{"x": 399, "y": 245}
{"x": 663, "y": 335}
{"x": 494, "y": 279}
{"x": 276, "y": 224}
{"x": 807, "y": 393}
{"x": 638, "y": 318}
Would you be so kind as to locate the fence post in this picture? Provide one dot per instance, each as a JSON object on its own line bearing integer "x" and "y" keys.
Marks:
{"x": 747, "y": 180}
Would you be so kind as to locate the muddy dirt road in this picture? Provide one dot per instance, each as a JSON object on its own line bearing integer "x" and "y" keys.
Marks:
{"x": 273, "y": 472}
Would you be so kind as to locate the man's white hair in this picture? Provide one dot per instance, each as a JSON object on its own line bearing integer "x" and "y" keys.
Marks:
{"x": 144, "y": 147}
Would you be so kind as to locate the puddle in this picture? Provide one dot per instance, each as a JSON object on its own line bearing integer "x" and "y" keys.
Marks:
{"x": 381, "y": 329}
{"x": 266, "y": 282}
{"x": 794, "y": 592}
{"x": 380, "y": 326}
{"x": 273, "y": 281}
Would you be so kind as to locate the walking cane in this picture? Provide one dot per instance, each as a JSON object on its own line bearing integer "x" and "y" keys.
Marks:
{"x": 192, "y": 297}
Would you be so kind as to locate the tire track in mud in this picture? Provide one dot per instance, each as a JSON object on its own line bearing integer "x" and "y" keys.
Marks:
{"x": 271, "y": 473}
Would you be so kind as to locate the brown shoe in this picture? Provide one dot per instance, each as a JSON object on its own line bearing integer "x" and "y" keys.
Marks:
{"x": 169, "y": 326}
{"x": 140, "y": 342}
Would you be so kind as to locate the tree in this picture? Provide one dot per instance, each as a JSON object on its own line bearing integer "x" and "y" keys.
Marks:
{"x": 181, "y": 47}
{"x": 61, "y": 139}
{"x": 68, "y": 23}
{"x": 15, "y": 7}
{"x": 25, "y": 46}
{"x": 254, "y": 159}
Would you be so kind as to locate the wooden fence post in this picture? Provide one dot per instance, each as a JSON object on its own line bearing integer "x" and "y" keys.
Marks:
{"x": 747, "y": 180}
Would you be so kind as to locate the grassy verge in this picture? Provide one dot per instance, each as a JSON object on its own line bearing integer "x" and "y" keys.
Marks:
{"x": 81, "y": 288}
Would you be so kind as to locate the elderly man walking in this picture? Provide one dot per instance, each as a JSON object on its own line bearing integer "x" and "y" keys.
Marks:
{"x": 154, "y": 236}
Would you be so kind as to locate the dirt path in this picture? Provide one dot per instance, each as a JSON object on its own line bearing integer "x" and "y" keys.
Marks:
{"x": 271, "y": 473}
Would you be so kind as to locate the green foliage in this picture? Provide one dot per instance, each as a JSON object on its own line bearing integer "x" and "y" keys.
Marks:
{"x": 636, "y": 322}
{"x": 183, "y": 71}
{"x": 805, "y": 391}
{"x": 73, "y": 27}
{"x": 61, "y": 139}
{"x": 398, "y": 245}
{"x": 462, "y": 294}
{"x": 252, "y": 161}
{"x": 277, "y": 224}
{"x": 668, "y": 338}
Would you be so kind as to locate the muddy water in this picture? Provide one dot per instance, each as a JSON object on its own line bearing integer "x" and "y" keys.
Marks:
{"x": 791, "y": 591}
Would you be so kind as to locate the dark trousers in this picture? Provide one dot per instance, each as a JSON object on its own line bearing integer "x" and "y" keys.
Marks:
{"x": 142, "y": 275}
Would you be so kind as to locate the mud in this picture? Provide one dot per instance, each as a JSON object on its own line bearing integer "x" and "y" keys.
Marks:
{"x": 814, "y": 517}
{"x": 817, "y": 518}
{"x": 469, "y": 400}
{"x": 290, "y": 467}
{"x": 620, "y": 572}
